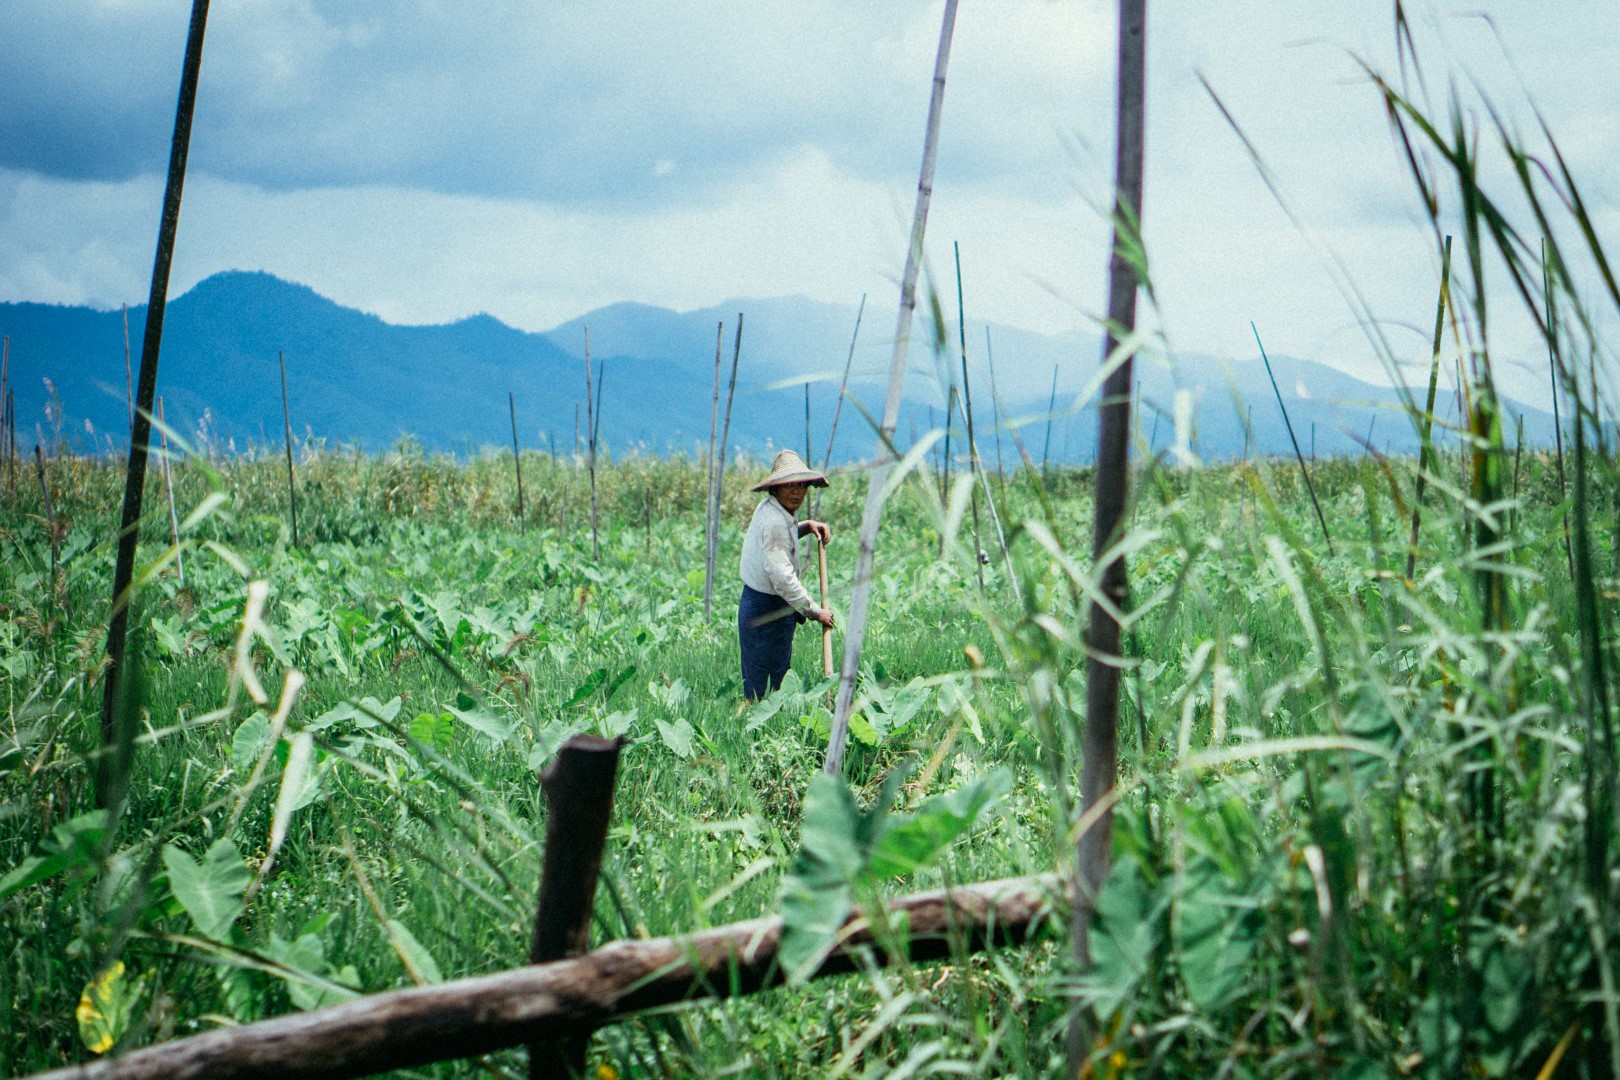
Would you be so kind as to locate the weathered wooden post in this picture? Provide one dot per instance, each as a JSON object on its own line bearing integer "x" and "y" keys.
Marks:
{"x": 579, "y": 797}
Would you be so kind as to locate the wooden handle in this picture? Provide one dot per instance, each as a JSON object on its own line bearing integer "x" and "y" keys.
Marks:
{"x": 826, "y": 631}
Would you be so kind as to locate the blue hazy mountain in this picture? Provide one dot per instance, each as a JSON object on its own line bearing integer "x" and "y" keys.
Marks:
{"x": 356, "y": 380}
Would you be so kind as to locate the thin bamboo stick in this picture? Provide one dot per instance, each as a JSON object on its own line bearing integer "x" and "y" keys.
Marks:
{"x": 826, "y": 631}
{"x": 725, "y": 439}
{"x": 1558, "y": 425}
{"x": 1051, "y": 407}
{"x": 861, "y": 592}
{"x": 590, "y": 445}
{"x": 517, "y": 463}
{"x": 710, "y": 518}
{"x": 1100, "y": 739}
{"x": 995, "y": 405}
{"x": 843, "y": 385}
{"x": 286, "y": 421}
{"x": 967, "y": 412}
{"x": 110, "y": 766}
{"x": 808, "y": 454}
{"x": 129, "y": 378}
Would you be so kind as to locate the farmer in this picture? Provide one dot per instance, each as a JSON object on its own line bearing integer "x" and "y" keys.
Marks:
{"x": 774, "y": 600}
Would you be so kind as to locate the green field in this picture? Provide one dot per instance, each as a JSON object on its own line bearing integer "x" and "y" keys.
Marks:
{"x": 1356, "y": 833}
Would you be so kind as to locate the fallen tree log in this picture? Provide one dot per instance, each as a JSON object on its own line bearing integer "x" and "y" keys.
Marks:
{"x": 542, "y": 1002}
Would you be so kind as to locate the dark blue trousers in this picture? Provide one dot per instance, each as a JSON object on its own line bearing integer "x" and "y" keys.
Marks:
{"x": 765, "y": 625}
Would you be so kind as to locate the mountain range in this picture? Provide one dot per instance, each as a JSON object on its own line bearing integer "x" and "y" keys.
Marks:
{"x": 353, "y": 379}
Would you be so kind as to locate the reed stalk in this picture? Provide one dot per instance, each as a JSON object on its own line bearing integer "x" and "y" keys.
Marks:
{"x": 1558, "y": 424}
{"x": 1299, "y": 456}
{"x": 871, "y": 518}
{"x": 111, "y": 767}
{"x": 1100, "y": 736}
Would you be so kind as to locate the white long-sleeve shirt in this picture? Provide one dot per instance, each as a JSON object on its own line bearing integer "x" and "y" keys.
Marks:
{"x": 770, "y": 557}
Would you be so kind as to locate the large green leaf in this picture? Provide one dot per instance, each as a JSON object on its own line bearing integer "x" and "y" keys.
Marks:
{"x": 1215, "y": 932}
{"x": 210, "y": 889}
{"x": 480, "y": 719}
{"x": 1125, "y": 930}
{"x": 434, "y": 729}
{"x": 677, "y": 736}
{"x": 913, "y": 842}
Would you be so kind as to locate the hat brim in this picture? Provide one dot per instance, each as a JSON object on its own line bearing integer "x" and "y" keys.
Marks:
{"x": 814, "y": 479}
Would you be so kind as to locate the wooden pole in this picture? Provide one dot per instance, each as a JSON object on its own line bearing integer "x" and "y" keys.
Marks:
{"x": 808, "y": 456}
{"x": 6, "y": 441}
{"x": 579, "y": 800}
{"x": 168, "y": 484}
{"x": 466, "y": 1017}
{"x": 590, "y": 444}
{"x": 1100, "y": 738}
{"x": 286, "y": 428}
{"x": 130, "y": 521}
{"x": 871, "y": 518}
{"x": 517, "y": 463}
{"x": 710, "y": 519}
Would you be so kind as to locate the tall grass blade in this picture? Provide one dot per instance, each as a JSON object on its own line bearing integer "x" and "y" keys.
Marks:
{"x": 1304, "y": 470}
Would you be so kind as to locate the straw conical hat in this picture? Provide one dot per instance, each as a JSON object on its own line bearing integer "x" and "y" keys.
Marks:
{"x": 789, "y": 468}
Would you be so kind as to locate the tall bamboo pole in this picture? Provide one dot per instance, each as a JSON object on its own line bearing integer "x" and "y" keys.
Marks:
{"x": 517, "y": 463}
{"x": 995, "y": 405}
{"x": 6, "y": 440}
{"x": 808, "y": 453}
{"x": 861, "y": 594}
{"x": 1100, "y": 739}
{"x": 112, "y": 766}
{"x": 711, "y": 518}
{"x": 590, "y": 445}
{"x": 286, "y": 422}
{"x": 168, "y": 485}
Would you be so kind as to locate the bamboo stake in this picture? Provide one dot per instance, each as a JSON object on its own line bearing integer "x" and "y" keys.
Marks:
{"x": 1298, "y": 454}
{"x": 129, "y": 378}
{"x": 130, "y": 521}
{"x": 286, "y": 422}
{"x": 843, "y": 385}
{"x": 168, "y": 484}
{"x": 808, "y": 455}
{"x": 1051, "y": 407}
{"x": 6, "y": 441}
{"x": 826, "y": 631}
{"x": 995, "y": 405}
{"x": 590, "y": 445}
{"x": 861, "y": 593}
{"x": 517, "y": 464}
{"x": 710, "y": 518}
{"x": 1100, "y": 739}
{"x": 725, "y": 438}
{"x": 1426, "y": 442}
{"x": 967, "y": 411}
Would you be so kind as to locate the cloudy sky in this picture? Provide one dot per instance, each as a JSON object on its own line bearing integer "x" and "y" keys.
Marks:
{"x": 425, "y": 160}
